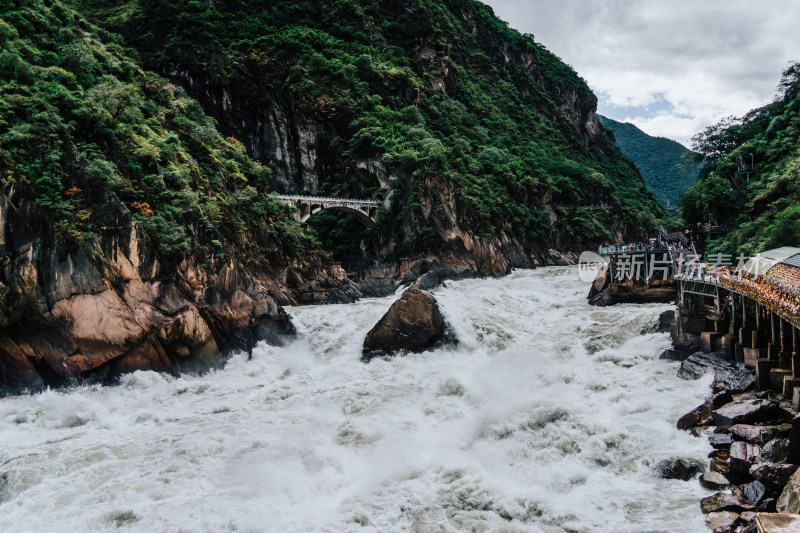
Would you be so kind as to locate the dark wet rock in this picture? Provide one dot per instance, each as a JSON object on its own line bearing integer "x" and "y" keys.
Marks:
{"x": 794, "y": 441}
{"x": 719, "y": 462}
{"x": 728, "y": 375}
{"x": 748, "y": 412}
{"x": 722, "y": 522}
{"x": 687, "y": 342}
{"x": 604, "y": 299}
{"x": 665, "y": 321}
{"x": 601, "y": 282}
{"x": 752, "y": 527}
{"x": 743, "y": 456}
{"x": 720, "y": 440}
{"x": 725, "y": 502}
{"x": 714, "y": 481}
{"x": 701, "y": 415}
{"x": 774, "y": 476}
{"x": 17, "y": 374}
{"x": 776, "y": 451}
{"x": 760, "y": 434}
{"x": 674, "y": 354}
{"x": 781, "y": 431}
{"x": 789, "y": 500}
{"x": 429, "y": 280}
{"x": 677, "y": 469}
{"x": 768, "y": 505}
{"x": 746, "y": 432}
{"x": 753, "y": 491}
{"x": 414, "y": 323}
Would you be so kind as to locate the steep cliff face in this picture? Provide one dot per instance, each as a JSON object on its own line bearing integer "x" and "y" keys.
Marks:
{"x": 131, "y": 234}
{"x": 294, "y": 146}
{"x": 70, "y": 312}
{"x": 441, "y": 95}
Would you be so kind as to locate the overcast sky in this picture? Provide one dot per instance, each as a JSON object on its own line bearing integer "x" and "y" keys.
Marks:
{"x": 670, "y": 67}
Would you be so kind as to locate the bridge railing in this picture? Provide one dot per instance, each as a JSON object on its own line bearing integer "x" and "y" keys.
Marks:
{"x": 352, "y": 201}
{"x": 620, "y": 249}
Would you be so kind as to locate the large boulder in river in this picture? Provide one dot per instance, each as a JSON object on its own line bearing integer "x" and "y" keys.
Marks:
{"x": 677, "y": 469}
{"x": 414, "y": 323}
{"x": 701, "y": 415}
{"x": 728, "y": 375}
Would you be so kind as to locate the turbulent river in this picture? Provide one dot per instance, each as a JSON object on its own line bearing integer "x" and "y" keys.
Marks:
{"x": 550, "y": 416}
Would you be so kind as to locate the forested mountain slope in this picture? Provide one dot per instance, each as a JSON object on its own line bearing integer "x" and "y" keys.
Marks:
{"x": 136, "y": 229}
{"x": 132, "y": 234}
{"x": 480, "y": 130}
{"x": 764, "y": 210}
{"x": 666, "y": 165}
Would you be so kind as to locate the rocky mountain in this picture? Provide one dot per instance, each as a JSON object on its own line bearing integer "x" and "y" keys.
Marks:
{"x": 666, "y": 166}
{"x": 140, "y": 139}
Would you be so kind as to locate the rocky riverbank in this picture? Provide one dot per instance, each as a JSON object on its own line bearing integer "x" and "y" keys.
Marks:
{"x": 755, "y": 435}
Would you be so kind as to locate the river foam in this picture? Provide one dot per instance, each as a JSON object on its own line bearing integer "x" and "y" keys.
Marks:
{"x": 550, "y": 416}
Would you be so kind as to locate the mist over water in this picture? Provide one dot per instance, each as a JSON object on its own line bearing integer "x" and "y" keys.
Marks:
{"x": 550, "y": 416}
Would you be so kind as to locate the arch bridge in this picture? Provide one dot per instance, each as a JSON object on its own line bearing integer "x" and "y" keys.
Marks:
{"x": 363, "y": 210}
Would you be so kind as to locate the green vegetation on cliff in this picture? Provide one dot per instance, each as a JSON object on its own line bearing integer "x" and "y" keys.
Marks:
{"x": 441, "y": 92}
{"x": 766, "y": 213}
{"x": 96, "y": 141}
{"x": 480, "y": 128}
{"x": 665, "y": 164}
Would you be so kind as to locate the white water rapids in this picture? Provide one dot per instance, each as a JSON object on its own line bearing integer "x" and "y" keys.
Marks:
{"x": 550, "y": 416}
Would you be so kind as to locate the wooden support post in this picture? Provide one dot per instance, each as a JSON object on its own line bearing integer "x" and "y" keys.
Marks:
{"x": 783, "y": 339}
{"x": 772, "y": 327}
{"x": 795, "y": 354}
{"x": 744, "y": 312}
{"x": 763, "y": 370}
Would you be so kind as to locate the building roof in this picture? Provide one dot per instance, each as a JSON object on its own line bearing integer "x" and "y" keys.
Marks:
{"x": 792, "y": 261}
{"x": 761, "y": 263}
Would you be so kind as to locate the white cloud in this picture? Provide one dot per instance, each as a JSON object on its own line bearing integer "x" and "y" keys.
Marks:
{"x": 672, "y": 68}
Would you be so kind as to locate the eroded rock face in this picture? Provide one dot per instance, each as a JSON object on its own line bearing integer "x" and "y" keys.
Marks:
{"x": 414, "y": 323}
{"x": 71, "y": 312}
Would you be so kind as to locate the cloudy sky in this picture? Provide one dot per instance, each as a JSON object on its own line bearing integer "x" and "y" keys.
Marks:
{"x": 670, "y": 67}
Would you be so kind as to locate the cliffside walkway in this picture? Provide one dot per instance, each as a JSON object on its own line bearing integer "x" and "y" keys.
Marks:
{"x": 363, "y": 210}
{"x": 756, "y": 321}
{"x": 765, "y": 292}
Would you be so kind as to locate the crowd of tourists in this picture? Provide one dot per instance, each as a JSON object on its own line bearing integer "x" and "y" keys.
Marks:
{"x": 778, "y": 289}
{"x": 770, "y": 291}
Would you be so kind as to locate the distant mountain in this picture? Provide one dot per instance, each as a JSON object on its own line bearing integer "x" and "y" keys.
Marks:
{"x": 659, "y": 160}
